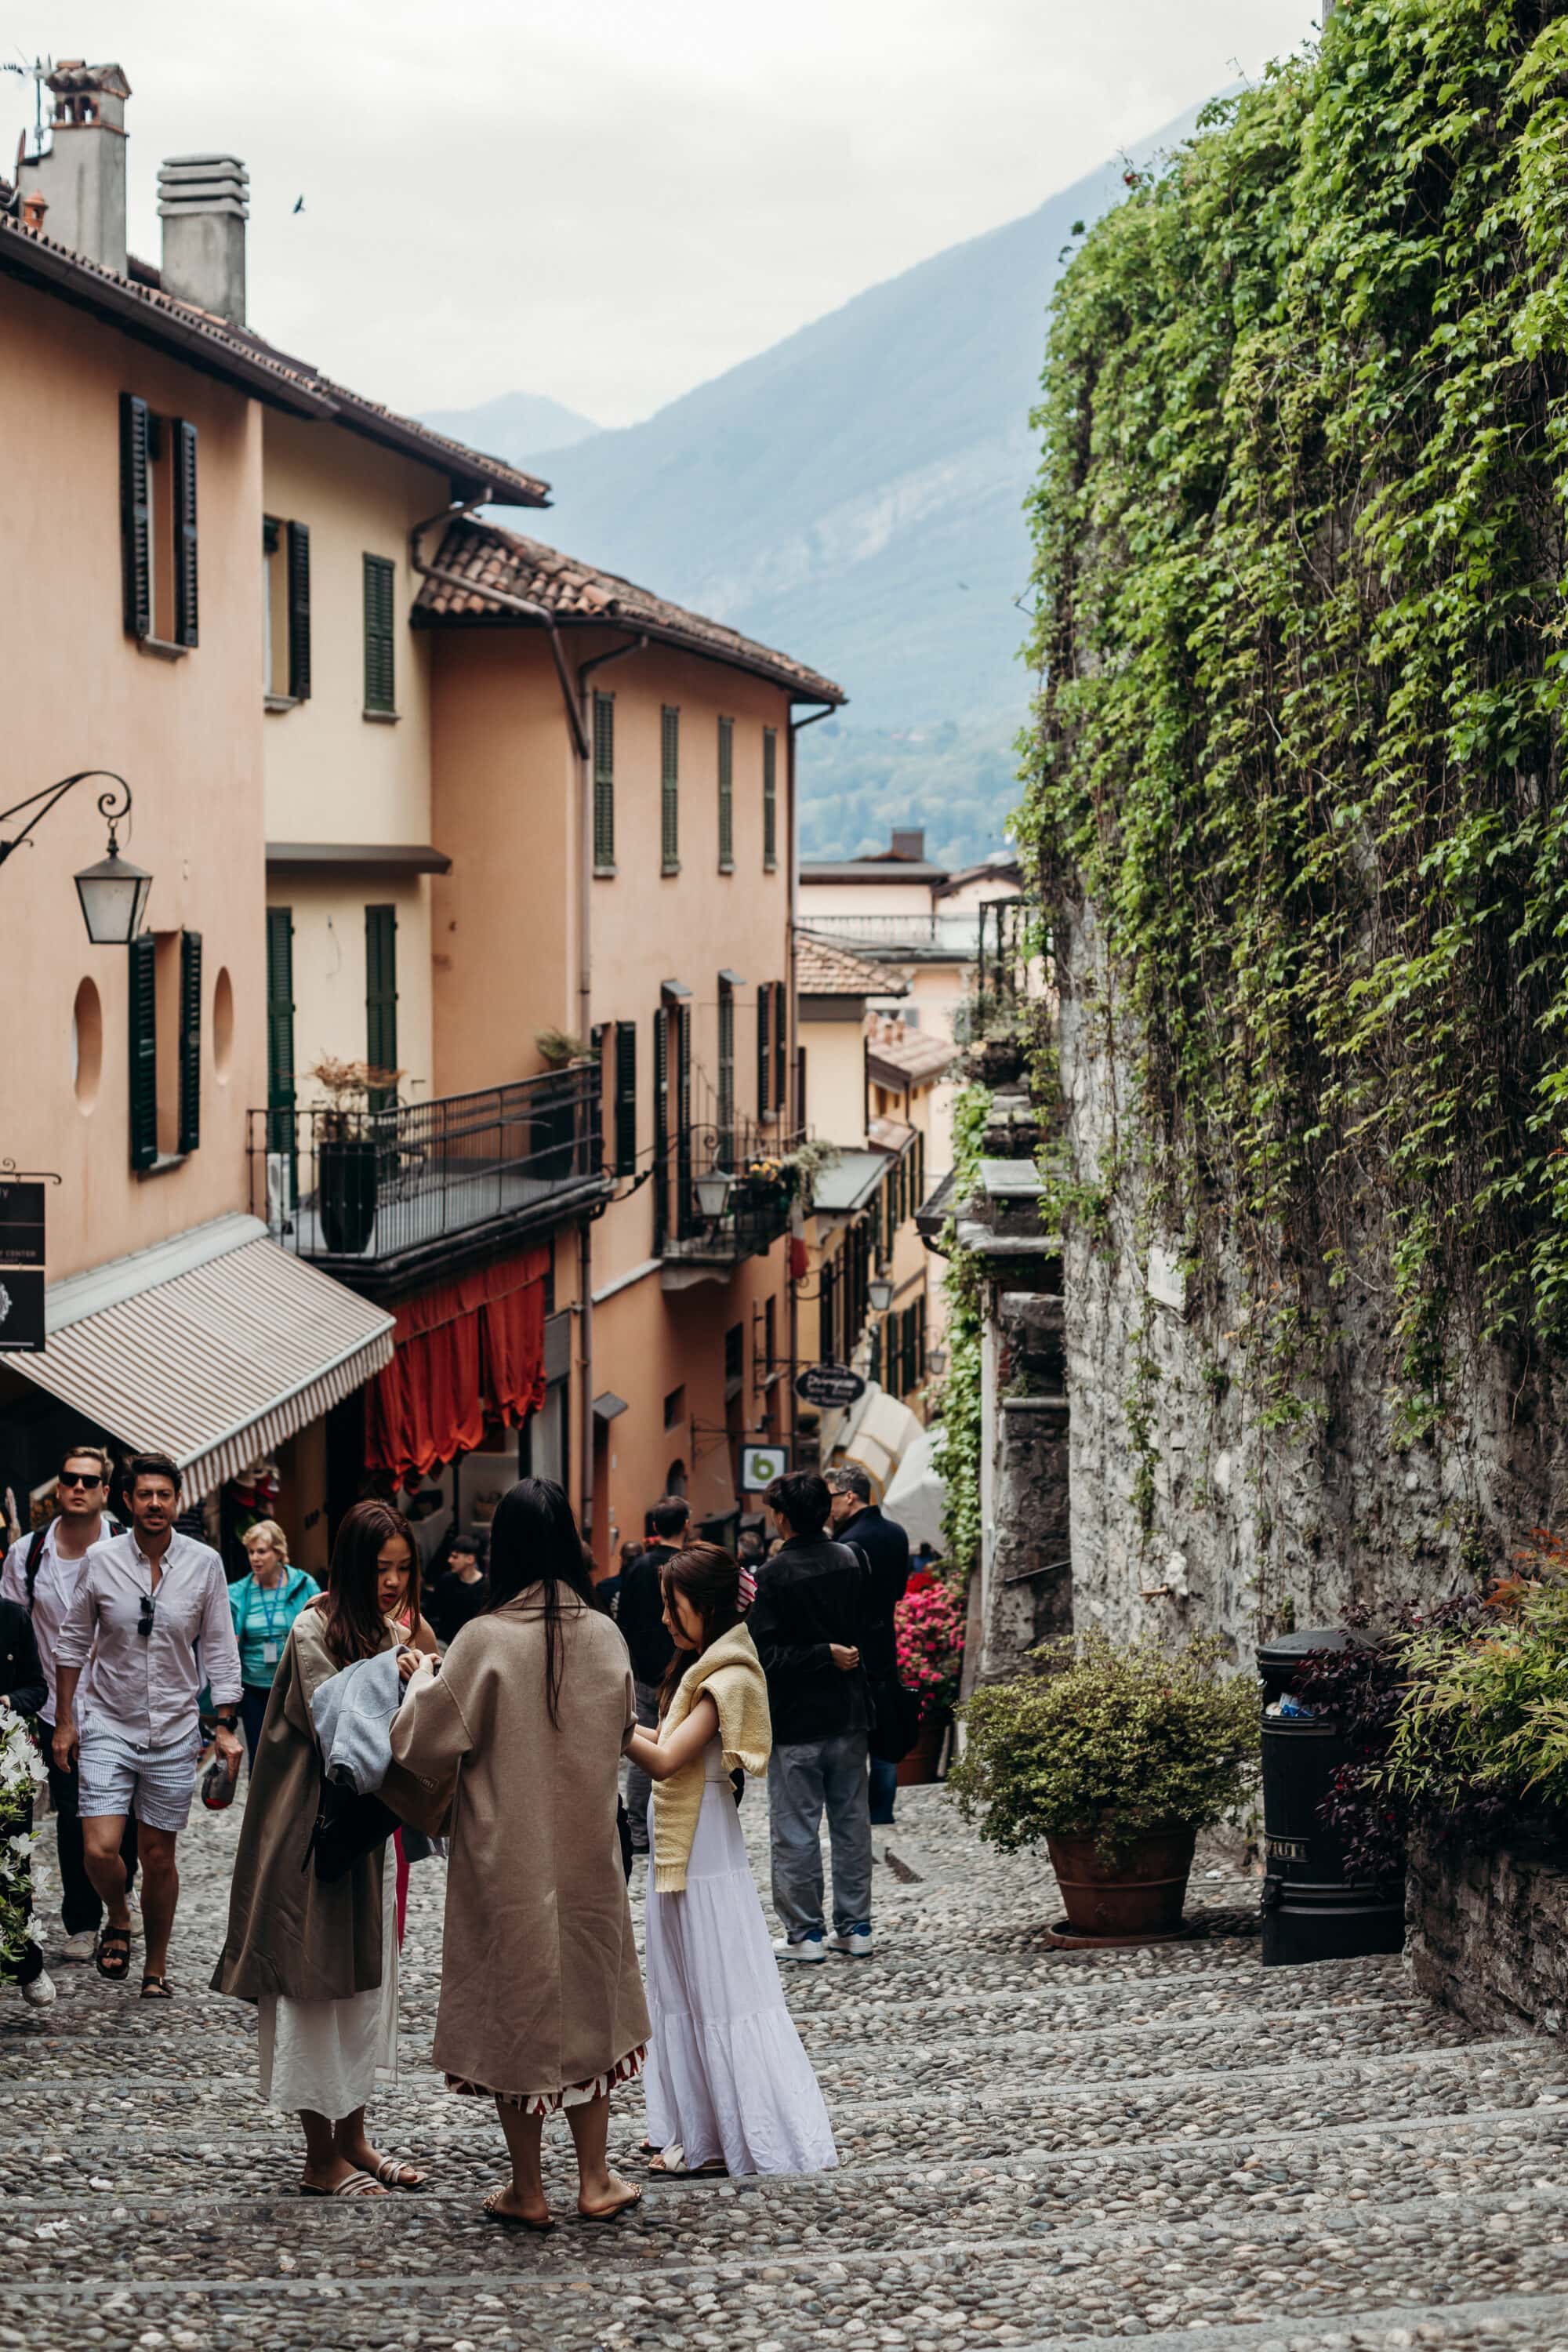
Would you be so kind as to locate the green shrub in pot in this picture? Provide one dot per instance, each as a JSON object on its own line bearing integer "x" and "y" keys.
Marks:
{"x": 1108, "y": 1742}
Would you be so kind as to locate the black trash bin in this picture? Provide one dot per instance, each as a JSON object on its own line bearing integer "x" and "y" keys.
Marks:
{"x": 1311, "y": 1911}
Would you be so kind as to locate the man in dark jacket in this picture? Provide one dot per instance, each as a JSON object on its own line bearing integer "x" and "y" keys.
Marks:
{"x": 808, "y": 1621}
{"x": 855, "y": 1520}
{"x": 639, "y": 1613}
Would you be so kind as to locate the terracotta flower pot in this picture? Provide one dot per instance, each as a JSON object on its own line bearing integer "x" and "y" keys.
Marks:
{"x": 1136, "y": 1896}
{"x": 920, "y": 1766}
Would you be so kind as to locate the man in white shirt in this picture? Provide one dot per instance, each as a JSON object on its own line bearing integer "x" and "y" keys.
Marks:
{"x": 142, "y": 1604}
{"x": 40, "y": 1574}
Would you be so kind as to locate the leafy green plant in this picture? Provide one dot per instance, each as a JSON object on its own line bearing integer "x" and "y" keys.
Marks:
{"x": 1106, "y": 1742}
{"x": 1484, "y": 1712}
{"x": 956, "y": 1455}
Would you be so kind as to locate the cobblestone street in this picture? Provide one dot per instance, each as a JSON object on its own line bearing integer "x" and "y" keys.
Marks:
{"x": 1038, "y": 2148}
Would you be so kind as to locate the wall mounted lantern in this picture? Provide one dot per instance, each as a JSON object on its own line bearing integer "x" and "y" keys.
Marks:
{"x": 114, "y": 893}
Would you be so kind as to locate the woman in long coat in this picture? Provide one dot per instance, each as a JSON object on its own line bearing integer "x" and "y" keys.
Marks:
{"x": 542, "y": 2002}
{"x": 319, "y": 1958}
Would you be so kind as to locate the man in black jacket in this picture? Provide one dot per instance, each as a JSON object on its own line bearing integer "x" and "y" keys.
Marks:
{"x": 639, "y": 1612}
{"x": 808, "y": 1621}
{"x": 856, "y": 1519}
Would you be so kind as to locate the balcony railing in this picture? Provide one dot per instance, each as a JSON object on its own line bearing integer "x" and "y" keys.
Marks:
{"x": 942, "y": 938}
{"x": 375, "y": 1193}
{"x": 760, "y": 1201}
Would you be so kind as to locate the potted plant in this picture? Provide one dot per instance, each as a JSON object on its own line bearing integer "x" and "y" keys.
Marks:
{"x": 1116, "y": 1758}
{"x": 928, "y": 1630}
{"x": 555, "y": 1104}
{"x": 346, "y": 1183}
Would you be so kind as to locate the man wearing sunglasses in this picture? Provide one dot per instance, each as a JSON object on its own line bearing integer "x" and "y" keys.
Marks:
{"x": 40, "y": 1575}
{"x": 150, "y": 1609}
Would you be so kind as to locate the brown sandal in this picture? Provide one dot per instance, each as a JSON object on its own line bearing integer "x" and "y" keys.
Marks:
{"x": 493, "y": 2212}
{"x": 113, "y": 1957}
{"x": 156, "y": 1988}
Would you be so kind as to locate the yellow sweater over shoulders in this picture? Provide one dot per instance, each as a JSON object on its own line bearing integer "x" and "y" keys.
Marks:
{"x": 729, "y": 1672}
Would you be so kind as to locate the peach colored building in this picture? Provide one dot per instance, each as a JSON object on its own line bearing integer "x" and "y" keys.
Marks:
{"x": 615, "y": 789}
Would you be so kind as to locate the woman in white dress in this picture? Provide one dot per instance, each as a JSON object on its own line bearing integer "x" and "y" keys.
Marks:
{"x": 319, "y": 1958}
{"x": 729, "y": 2087}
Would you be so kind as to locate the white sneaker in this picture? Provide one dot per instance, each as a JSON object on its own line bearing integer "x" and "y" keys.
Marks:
{"x": 40, "y": 1993}
{"x": 855, "y": 1941}
{"x": 82, "y": 1945}
{"x": 810, "y": 1947}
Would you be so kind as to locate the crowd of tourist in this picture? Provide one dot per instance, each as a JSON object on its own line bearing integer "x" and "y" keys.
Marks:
{"x": 491, "y": 1718}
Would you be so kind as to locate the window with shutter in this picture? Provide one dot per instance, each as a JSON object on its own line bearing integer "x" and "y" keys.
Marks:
{"x": 781, "y": 1051}
{"x": 135, "y": 516}
{"x": 764, "y": 1049}
{"x": 190, "y": 1079}
{"x": 281, "y": 1028}
{"x": 919, "y": 1340}
{"x": 669, "y": 790}
{"x": 299, "y": 611}
{"x": 726, "y": 796}
{"x": 144, "y": 993}
{"x": 726, "y": 1074}
{"x": 660, "y": 1129}
{"x": 874, "y": 1354}
{"x": 182, "y": 437}
{"x": 685, "y": 1205}
{"x": 380, "y": 669}
{"x": 625, "y": 1098}
{"x": 603, "y": 784}
{"x": 770, "y": 799}
{"x": 381, "y": 999}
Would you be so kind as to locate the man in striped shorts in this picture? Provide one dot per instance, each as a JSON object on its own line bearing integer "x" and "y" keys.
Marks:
{"x": 142, "y": 1604}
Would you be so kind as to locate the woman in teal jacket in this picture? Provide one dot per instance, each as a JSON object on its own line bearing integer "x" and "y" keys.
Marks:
{"x": 264, "y": 1605}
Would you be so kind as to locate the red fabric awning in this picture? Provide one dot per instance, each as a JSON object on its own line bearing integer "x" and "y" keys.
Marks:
{"x": 465, "y": 1353}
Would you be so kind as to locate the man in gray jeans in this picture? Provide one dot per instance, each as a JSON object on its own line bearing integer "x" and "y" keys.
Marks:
{"x": 639, "y": 1613}
{"x": 807, "y": 1622}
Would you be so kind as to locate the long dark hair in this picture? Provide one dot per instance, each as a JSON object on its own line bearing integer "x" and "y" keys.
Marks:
{"x": 534, "y": 1540}
{"x": 356, "y": 1627}
{"x": 709, "y": 1579}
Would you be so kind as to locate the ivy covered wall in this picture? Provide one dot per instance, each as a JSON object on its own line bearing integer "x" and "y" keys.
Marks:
{"x": 1301, "y": 823}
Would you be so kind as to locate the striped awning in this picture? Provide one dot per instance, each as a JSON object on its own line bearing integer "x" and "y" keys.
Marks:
{"x": 213, "y": 1348}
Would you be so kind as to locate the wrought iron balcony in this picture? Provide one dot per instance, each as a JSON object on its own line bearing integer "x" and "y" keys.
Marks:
{"x": 757, "y": 1213}
{"x": 380, "y": 1196}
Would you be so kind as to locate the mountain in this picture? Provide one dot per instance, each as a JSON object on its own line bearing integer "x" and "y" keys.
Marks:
{"x": 855, "y": 496}
{"x": 520, "y": 426}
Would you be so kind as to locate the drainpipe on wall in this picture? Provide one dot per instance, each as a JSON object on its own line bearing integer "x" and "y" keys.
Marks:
{"x": 792, "y": 852}
{"x": 584, "y": 736}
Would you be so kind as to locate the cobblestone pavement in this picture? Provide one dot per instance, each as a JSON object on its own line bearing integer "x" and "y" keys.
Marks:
{"x": 1038, "y": 2148}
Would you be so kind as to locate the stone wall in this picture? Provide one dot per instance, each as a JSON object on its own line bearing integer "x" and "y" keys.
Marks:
{"x": 1487, "y": 1932}
{"x": 1025, "y": 1581}
{"x": 1190, "y": 1509}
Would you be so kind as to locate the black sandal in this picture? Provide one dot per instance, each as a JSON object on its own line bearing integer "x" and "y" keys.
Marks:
{"x": 113, "y": 1957}
{"x": 156, "y": 1988}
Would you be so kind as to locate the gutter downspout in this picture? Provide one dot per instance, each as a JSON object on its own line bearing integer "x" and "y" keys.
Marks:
{"x": 583, "y": 736}
{"x": 794, "y": 871}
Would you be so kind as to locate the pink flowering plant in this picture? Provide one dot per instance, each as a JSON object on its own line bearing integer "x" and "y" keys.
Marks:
{"x": 928, "y": 1630}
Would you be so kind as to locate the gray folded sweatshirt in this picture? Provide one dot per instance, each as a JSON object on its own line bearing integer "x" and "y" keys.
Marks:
{"x": 353, "y": 1712}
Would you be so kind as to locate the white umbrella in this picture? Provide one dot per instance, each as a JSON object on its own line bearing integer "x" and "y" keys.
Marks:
{"x": 917, "y": 1493}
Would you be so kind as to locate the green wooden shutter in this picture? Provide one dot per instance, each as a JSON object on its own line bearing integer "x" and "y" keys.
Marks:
{"x": 190, "y": 1040}
{"x": 764, "y": 1054}
{"x": 184, "y": 438}
{"x": 726, "y": 1075}
{"x": 135, "y": 516}
{"x": 604, "y": 781}
{"x": 281, "y": 1028}
{"x": 625, "y": 1098}
{"x": 380, "y": 669}
{"x": 920, "y": 1340}
{"x": 380, "y": 998}
{"x": 299, "y": 611}
{"x": 781, "y": 1051}
{"x": 770, "y": 799}
{"x": 726, "y": 796}
{"x": 826, "y": 1315}
{"x": 660, "y": 1129}
{"x": 143, "y": 982}
{"x": 874, "y": 1354}
{"x": 669, "y": 790}
{"x": 685, "y": 1206}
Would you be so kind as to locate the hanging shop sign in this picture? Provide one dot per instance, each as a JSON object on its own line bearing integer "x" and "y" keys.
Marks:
{"x": 22, "y": 1260}
{"x": 832, "y": 1385}
{"x": 760, "y": 1464}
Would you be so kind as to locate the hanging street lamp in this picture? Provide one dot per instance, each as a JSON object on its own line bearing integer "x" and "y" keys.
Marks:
{"x": 114, "y": 893}
{"x": 880, "y": 1292}
{"x": 714, "y": 1192}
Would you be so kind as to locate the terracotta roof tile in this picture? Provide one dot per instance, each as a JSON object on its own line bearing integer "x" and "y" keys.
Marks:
{"x": 822, "y": 967}
{"x": 484, "y": 565}
{"x": 915, "y": 1055}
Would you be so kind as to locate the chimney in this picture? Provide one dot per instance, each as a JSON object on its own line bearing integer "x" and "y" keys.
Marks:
{"x": 911, "y": 845}
{"x": 203, "y": 202}
{"x": 79, "y": 176}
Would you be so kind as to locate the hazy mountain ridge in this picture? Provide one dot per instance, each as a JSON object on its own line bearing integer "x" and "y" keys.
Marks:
{"x": 523, "y": 427}
{"x": 855, "y": 495}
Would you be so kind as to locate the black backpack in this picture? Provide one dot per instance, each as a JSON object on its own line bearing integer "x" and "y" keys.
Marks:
{"x": 36, "y": 1553}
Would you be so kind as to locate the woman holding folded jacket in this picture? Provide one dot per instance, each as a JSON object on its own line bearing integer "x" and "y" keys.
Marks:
{"x": 319, "y": 1958}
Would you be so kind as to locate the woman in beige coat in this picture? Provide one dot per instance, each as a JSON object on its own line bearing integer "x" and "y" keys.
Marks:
{"x": 541, "y": 2003}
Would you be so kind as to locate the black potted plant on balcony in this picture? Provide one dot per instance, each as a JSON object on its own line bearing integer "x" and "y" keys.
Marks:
{"x": 552, "y": 1151}
{"x": 346, "y": 1151}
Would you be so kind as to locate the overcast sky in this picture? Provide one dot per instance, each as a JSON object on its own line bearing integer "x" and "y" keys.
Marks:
{"x": 611, "y": 200}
